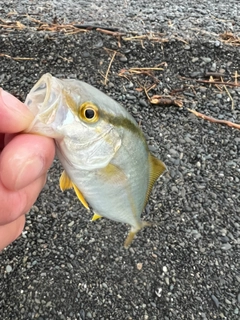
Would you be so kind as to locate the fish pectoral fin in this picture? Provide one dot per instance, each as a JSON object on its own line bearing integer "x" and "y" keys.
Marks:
{"x": 96, "y": 216}
{"x": 133, "y": 232}
{"x": 65, "y": 182}
{"x": 80, "y": 196}
{"x": 112, "y": 174}
{"x": 157, "y": 168}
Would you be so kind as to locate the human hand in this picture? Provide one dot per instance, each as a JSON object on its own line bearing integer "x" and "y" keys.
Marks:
{"x": 24, "y": 161}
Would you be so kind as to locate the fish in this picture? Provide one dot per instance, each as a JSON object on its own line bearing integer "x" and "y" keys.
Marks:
{"x": 101, "y": 147}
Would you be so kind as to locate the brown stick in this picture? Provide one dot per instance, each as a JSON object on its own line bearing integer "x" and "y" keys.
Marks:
{"x": 143, "y": 71}
{"x": 15, "y": 58}
{"x": 109, "y": 66}
{"x": 203, "y": 116}
{"x": 90, "y": 26}
{"x": 165, "y": 101}
{"x": 229, "y": 96}
{"x": 231, "y": 84}
{"x": 214, "y": 74}
{"x": 110, "y": 33}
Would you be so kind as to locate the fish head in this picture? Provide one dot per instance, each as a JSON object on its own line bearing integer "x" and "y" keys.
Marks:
{"x": 80, "y": 118}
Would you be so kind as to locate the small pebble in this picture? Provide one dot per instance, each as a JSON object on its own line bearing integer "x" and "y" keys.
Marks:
{"x": 123, "y": 59}
{"x": 215, "y": 300}
{"x": 226, "y": 246}
{"x": 8, "y": 268}
{"x": 206, "y": 60}
{"x": 139, "y": 266}
{"x": 195, "y": 59}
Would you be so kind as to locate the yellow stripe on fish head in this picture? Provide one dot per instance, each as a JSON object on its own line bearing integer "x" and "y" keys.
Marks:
{"x": 121, "y": 121}
{"x": 90, "y": 113}
{"x": 87, "y": 111}
{"x": 72, "y": 104}
{"x": 125, "y": 123}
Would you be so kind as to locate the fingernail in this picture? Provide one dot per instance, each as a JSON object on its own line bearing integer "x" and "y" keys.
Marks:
{"x": 32, "y": 169}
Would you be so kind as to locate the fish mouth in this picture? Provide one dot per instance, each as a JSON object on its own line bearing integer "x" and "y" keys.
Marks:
{"x": 43, "y": 101}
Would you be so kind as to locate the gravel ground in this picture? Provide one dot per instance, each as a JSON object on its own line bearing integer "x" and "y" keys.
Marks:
{"x": 185, "y": 267}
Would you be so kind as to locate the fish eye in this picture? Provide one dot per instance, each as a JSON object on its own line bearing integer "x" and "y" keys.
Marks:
{"x": 88, "y": 112}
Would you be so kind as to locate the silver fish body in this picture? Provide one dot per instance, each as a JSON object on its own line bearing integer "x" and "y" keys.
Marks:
{"x": 101, "y": 147}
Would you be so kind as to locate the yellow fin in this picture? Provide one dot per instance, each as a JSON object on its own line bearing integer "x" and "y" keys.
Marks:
{"x": 96, "y": 216}
{"x": 65, "y": 182}
{"x": 80, "y": 196}
{"x": 157, "y": 168}
{"x": 133, "y": 232}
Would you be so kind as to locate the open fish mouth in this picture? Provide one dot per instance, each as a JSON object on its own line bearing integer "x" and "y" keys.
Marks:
{"x": 42, "y": 96}
{"x": 43, "y": 101}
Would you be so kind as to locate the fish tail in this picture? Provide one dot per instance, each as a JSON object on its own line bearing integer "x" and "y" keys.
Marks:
{"x": 133, "y": 232}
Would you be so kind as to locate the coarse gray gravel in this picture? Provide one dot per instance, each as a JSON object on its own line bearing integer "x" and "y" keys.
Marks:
{"x": 188, "y": 265}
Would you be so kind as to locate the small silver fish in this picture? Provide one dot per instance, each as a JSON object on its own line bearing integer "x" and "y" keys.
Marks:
{"x": 102, "y": 149}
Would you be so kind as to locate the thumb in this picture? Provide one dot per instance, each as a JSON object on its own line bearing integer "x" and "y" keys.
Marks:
{"x": 14, "y": 115}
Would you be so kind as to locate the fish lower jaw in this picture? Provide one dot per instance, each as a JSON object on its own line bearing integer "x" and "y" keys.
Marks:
{"x": 47, "y": 133}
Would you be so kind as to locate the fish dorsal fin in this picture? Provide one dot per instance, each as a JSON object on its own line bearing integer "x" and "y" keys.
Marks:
{"x": 157, "y": 168}
{"x": 66, "y": 183}
{"x": 96, "y": 216}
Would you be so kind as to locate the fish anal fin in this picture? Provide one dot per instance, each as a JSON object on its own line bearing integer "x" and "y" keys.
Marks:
{"x": 65, "y": 182}
{"x": 96, "y": 216}
{"x": 80, "y": 196}
{"x": 157, "y": 168}
{"x": 133, "y": 232}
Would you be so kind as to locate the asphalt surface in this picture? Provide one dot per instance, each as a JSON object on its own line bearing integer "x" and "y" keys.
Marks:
{"x": 185, "y": 267}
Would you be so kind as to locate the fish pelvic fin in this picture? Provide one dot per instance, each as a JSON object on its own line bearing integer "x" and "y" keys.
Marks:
{"x": 157, "y": 168}
{"x": 80, "y": 196}
{"x": 133, "y": 232}
{"x": 96, "y": 216}
{"x": 66, "y": 183}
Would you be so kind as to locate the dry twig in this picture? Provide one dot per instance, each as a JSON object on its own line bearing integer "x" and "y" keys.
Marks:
{"x": 166, "y": 101}
{"x": 151, "y": 37}
{"x": 66, "y": 28}
{"x": 100, "y": 28}
{"x": 230, "y": 84}
{"x": 148, "y": 71}
{"x": 214, "y": 74}
{"x": 228, "y": 93}
{"x": 15, "y": 58}
{"x": 12, "y": 25}
{"x": 230, "y": 38}
{"x": 236, "y": 76}
{"x": 109, "y": 66}
{"x": 110, "y": 32}
{"x": 203, "y": 116}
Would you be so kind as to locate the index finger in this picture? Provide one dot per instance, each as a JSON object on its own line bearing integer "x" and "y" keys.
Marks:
{"x": 14, "y": 115}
